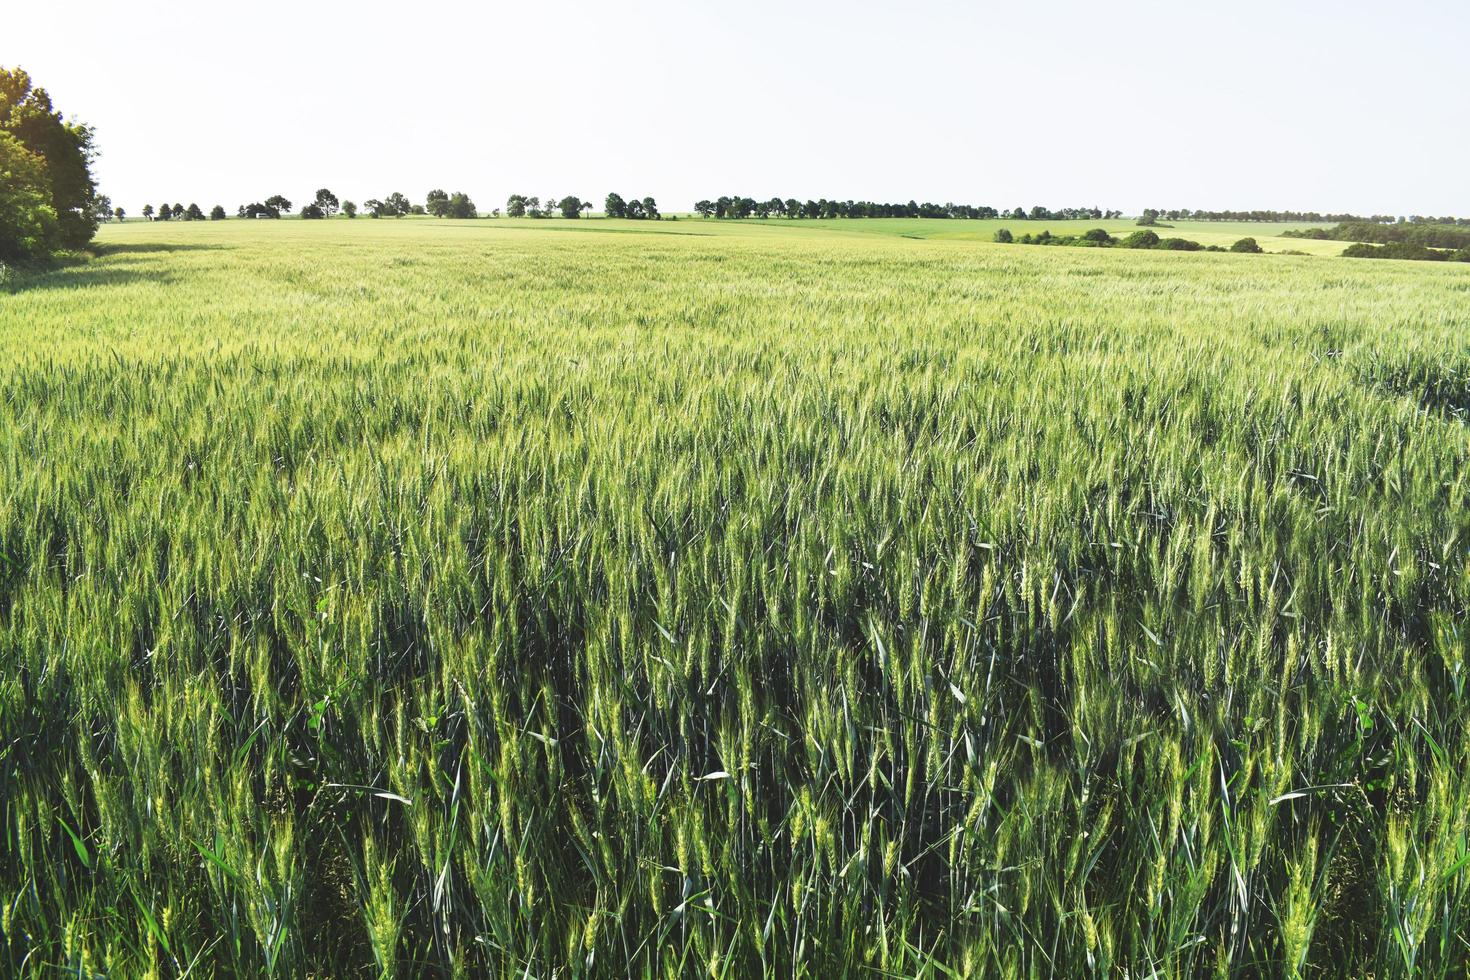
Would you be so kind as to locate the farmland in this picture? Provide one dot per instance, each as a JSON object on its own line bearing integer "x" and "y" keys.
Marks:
{"x": 508, "y": 598}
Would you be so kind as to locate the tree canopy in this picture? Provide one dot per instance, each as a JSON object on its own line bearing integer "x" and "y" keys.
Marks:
{"x": 48, "y": 198}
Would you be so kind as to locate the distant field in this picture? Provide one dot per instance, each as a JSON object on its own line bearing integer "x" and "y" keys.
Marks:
{"x": 1205, "y": 232}
{"x": 421, "y": 598}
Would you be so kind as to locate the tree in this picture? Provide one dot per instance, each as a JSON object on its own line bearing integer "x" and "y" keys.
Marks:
{"x": 28, "y": 225}
{"x": 165, "y": 212}
{"x": 312, "y": 212}
{"x": 148, "y": 211}
{"x": 327, "y": 201}
{"x": 66, "y": 151}
{"x": 704, "y": 208}
{"x": 615, "y": 207}
{"x": 397, "y": 204}
{"x": 194, "y": 214}
{"x": 633, "y": 209}
{"x": 279, "y": 203}
{"x": 178, "y": 212}
{"x": 120, "y": 214}
{"x": 1141, "y": 239}
{"x": 375, "y": 207}
{"x": 460, "y": 206}
{"x": 1004, "y": 236}
{"x": 586, "y": 206}
{"x": 533, "y": 207}
{"x": 102, "y": 205}
{"x": 217, "y": 213}
{"x": 1149, "y": 217}
{"x": 515, "y": 206}
{"x": 1248, "y": 246}
{"x": 437, "y": 203}
{"x": 349, "y": 209}
{"x": 650, "y": 209}
{"x": 571, "y": 207}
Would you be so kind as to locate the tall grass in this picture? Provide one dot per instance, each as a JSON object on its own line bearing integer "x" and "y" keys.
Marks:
{"x": 411, "y": 600}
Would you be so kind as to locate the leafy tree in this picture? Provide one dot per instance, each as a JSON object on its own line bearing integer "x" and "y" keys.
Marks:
{"x": 1004, "y": 236}
{"x": 1248, "y": 246}
{"x": 1141, "y": 239}
{"x": 375, "y": 207}
{"x": 650, "y": 209}
{"x": 217, "y": 213}
{"x": 533, "y": 208}
{"x": 397, "y": 205}
{"x": 1098, "y": 236}
{"x": 571, "y": 207}
{"x": 194, "y": 214}
{"x": 66, "y": 151}
{"x": 416, "y": 209}
{"x": 102, "y": 206}
{"x": 633, "y": 209}
{"x": 120, "y": 214}
{"x": 1149, "y": 217}
{"x": 178, "y": 212}
{"x": 615, "y": 207}
{"x": 349, "y": 208}
{"x": 460, "y": 206}
{"x": 515, "y": 206}
{"x": 148, "y": 211}
{"x": 704, "y": 208}
{"x": 165, "y": 212}
{"x": 437, "y": 203}
{"x": 27, "y": 217}
{"x": 312, "y": 212}
{"x": 279, "y": 203}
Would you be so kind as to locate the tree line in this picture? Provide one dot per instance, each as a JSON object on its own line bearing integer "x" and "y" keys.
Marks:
{"x": 1142, "y": 239}
{"x": 1405, "y": 250}
{"x": 747, "y": 207}
{"x": 48, "y": 199}
{"x": 1424, "y": 235}
{"x": 1153, "y": 215}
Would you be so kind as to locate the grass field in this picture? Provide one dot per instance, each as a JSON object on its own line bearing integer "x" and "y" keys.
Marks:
{"x": 517, "y": 599}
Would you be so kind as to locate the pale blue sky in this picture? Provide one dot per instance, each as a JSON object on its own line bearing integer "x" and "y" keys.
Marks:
{"x": 1311, "y": 104}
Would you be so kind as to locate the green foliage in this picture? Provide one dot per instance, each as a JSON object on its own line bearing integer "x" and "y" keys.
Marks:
{"x": 1405, "y": 250}
{"x": 57, "y": 208}
{"x": 28, "y": 224}
{"x": 1004, "y": 236}
{"x": 465, "y": 601}
{"x": 1248, "y": 246}
{"x": 459, "y": 205}
{"x": 1141, "y": 239}
{"x": 1421, "y": 233}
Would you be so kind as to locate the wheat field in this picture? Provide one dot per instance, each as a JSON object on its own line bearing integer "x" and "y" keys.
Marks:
{"x": 493, "y": 599}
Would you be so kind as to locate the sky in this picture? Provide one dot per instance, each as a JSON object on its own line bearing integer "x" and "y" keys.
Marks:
{"x": 1280, "y": 104}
